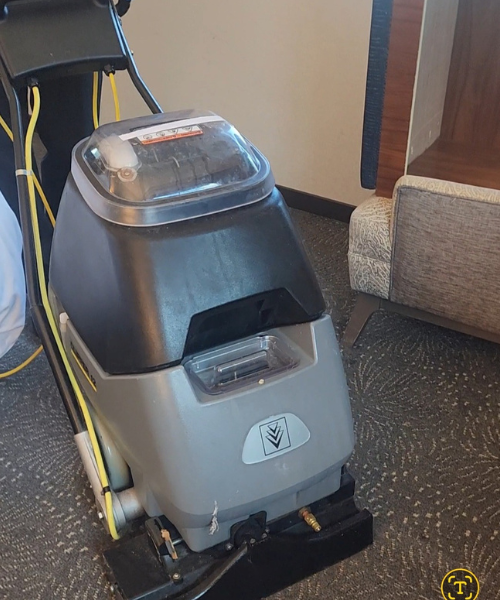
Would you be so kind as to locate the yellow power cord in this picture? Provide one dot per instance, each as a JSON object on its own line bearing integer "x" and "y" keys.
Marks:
{"x": 50, "y": 214}
{"x": 22, "y": 365}
{"x": 112, "y": 81}
{"x": 39, "y": 189}
{"x": 95, "y": 99}
{"x": 103, "y": 476}
{"x": 8, "y": 131}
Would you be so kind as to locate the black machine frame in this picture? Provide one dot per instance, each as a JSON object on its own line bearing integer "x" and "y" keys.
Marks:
{"x": 22, "y": 65}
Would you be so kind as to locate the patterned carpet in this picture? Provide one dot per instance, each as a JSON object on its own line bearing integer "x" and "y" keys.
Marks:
{"x": 426, "y": 407}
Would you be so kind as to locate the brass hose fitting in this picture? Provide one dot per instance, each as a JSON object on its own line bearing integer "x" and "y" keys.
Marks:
{"x": 309, "y": 518}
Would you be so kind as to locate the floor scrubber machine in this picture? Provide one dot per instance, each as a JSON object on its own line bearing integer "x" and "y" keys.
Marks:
{"x": 187, "y": 333}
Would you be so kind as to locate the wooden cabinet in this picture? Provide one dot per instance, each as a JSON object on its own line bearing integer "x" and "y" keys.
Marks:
{"x": 442, "y": 95}
{"x": 404, "y": 43}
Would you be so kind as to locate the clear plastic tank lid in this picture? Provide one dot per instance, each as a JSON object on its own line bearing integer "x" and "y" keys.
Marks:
{"x": 169, "y": 167}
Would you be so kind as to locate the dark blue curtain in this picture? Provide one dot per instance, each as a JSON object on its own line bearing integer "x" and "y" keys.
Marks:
{"x": 375, "y": 88}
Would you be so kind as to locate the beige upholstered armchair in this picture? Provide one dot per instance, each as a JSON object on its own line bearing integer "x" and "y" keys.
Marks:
{"x": 431, "y": 252}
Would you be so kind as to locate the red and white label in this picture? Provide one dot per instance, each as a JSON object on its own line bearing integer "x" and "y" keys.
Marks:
{"x": 170, "y": 131}
{"x": 170, "y": 134}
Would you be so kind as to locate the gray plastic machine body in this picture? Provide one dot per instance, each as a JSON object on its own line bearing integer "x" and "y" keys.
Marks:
{"x": 207, "y": 458}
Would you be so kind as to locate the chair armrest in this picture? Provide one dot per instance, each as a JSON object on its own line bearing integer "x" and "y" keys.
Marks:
{"x": 446, "y": 250}
{"x": 444, "y": 189}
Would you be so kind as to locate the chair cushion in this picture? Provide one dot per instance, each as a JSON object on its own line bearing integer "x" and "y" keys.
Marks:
{"x": 370, "y": 247}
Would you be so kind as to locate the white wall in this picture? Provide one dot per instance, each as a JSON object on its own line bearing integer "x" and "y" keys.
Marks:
{"x": 436, "y": 46}
{"x": 289, "y": 74}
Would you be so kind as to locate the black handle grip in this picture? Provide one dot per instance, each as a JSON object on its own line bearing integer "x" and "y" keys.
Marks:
{"x": 122, "y": 7}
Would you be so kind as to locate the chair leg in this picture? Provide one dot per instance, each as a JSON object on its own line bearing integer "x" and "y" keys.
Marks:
{"x": 365, "y": 306}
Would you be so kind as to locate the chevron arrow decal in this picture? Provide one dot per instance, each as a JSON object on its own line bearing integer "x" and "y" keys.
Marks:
{"x": 273, "y": 437}
{"x": 274, "y": 434}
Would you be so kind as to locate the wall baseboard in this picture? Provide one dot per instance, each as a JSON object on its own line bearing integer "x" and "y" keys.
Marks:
{"x": 317, "y": 205}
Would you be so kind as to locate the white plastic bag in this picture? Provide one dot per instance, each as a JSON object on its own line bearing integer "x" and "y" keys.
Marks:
{"x": 12, "y": 286}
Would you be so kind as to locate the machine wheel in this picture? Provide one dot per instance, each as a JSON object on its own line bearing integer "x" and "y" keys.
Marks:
{"x": 116, "y": 467}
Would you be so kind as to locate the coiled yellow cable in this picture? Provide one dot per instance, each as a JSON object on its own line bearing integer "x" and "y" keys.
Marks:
{"x": 53, "y": 326}
{"x": 112, "y": 81}
{"x": 22, "y": 365}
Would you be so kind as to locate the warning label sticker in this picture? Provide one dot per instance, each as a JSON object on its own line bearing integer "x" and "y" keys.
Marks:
{"x": 170, "y": 130}
{"x": 170, "y": 134}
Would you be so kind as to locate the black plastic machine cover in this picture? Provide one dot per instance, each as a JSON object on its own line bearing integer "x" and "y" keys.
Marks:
{"x": 171, "y": 239}
{"x": 54, "y": 38}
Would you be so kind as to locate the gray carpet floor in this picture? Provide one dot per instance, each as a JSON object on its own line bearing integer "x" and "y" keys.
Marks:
{"x": 426, "y": 407}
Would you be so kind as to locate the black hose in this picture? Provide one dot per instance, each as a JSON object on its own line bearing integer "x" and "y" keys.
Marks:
{"x": 137, "y": 80}
{"x": 201, "y": 589}
{"x": 122, "y": 7}
{"x": 32, "y": 284}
